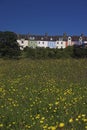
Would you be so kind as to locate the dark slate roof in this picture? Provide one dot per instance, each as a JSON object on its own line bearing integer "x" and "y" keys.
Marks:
{"x": 75, "y": 38}
{"x": 46, "y": 38}
{"x": 49, "y": 38}
{"x": 84, "y": 38}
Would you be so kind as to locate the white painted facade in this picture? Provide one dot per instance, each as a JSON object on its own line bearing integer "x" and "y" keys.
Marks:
{"x": 85, "y": 42}
{"x": 42, "y": 44}
{"x": 73, "y": 43}
{"x": 51, "y": 44}
{"x": 69, "y": 41}
{"x": 60, "y": 44}
{"x": 22, "y": 43}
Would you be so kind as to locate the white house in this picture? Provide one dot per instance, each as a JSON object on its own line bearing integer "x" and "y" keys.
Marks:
{"x": 69, "y": 41}
{"x": 60, "y": 43}
{"x": 22, "y": 43}
{"x": 42, "y": 44}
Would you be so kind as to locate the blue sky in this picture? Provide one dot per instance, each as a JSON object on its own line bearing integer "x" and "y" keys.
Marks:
{"x": 40, "y": 16}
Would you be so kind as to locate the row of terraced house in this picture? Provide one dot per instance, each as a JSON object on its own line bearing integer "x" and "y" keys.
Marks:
{"x": 34, "y": 41}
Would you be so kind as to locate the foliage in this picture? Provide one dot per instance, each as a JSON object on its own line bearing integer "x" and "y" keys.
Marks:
{"x": 54, "y": 53}
{"x": 10, "y": 48}
{"x": 45, "y": 53}
{"x": 80, "y": 52}
{"x": 43, "y": 94}
{"x": 8, "y": 45}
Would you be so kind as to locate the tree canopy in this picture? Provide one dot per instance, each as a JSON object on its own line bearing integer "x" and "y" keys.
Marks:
{"x": 8, "y": 45}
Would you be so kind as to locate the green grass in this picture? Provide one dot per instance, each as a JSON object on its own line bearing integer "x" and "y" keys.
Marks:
{"x": 43, "y": 94}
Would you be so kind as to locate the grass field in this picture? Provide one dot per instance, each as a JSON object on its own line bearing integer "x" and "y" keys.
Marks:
{"x": 43, "y": 94}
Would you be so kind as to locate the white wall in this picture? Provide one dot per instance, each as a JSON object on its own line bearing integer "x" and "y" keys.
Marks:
{"x": 22, "y": 43}
{"x": 69, "y": 41}
{"x": 85, "y": 41}
{"x": 60, "y": 44}
{"x": 42, "y": 43}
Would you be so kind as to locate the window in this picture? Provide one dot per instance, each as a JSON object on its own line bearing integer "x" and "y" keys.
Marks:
{"x": 43, "y": 42}
{"x": 80, "y": 39}
{"x": 22, "y": 42}
{"x": 61, "y": 42}
{"x": 57, "y": 42}
{"x": 60, "y": 39}
{"x": 69, "y": 38}
{"x": 30, "y": 38}
{"x": 39, "y": 42}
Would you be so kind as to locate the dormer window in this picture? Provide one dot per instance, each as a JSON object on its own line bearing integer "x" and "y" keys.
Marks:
{"x": 60, "y": 39}
{"x": 41, "y": 38}
{"x": 69, "y": 38}
{"x": 80, "y": 39}
{"x": 51, "y": 38}
{"x": 30, "y": 38}
{"x": 33, "y": 38}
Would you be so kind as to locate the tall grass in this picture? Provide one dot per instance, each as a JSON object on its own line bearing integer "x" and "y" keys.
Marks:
{"x": 43, "y": 94}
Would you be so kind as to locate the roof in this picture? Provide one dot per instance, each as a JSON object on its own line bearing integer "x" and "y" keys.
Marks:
{"x": 50, "y": 38}
{"x": 75, "y": 38}
{"x": 42, "y": 37}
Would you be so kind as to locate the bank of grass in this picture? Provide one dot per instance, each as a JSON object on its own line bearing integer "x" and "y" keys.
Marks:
{"x": 43, "y": 94}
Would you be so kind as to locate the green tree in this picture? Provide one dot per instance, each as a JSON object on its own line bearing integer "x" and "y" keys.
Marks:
{"x": 80, "y": 52}
{"x": 8, "y": 45}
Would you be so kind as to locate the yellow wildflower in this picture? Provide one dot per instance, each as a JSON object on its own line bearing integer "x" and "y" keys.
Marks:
{"x": 70, "y": 120}
{"x": 83, "y": 115}
{"x": 1, "y": 125}
{"x": 42, "y": 118}
{"x": 41, "y": 121}
{"x": 77, "y": 119}
{"x": 45, "y": 127}
{"x": 61, "y": 125}
{"x": 52, "y": 128}
{"x": 85, "y": 127}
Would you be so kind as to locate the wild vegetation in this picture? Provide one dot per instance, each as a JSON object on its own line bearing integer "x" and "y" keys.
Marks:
{"x": 48, "y": 53}
{"x": 9, "y": 48}
{"x": 55, "y": 53}
{"x": 43, "y": 94}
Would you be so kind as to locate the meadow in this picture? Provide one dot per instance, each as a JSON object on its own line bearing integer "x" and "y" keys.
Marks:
{"x": 43, "y": 94}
